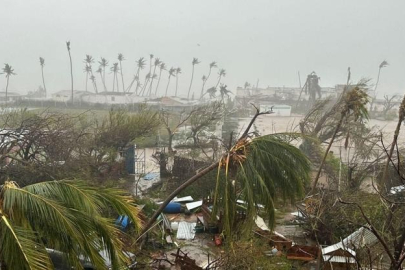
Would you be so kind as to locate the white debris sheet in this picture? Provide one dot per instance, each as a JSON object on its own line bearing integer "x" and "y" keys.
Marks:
{"x": 186, "y": 230}
{"x": 193, "y": 205}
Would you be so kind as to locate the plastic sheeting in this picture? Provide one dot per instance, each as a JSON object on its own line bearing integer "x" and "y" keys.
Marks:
{"x": 186, "y": 230}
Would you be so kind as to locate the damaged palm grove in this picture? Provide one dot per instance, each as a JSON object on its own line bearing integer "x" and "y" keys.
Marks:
{"x": 306, "y": 177}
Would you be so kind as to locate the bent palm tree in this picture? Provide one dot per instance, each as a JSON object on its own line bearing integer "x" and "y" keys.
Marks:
{"x": 221, "y": 73}
{"x": 42, "y": 63}
{"x": 120, "y": 59}
{"x": 353, "y": 105}
{"x": 140, "y": 64}
{"x": 212, "y": 65}
{"x": 63, "y": 215}
{"x": 100, "y": 71}
{"x": 89, "y": 60}
{"x": 178, "y": 71}
{"x": 114, "y": 70}
{"x": 172, "y": 70}
{"x": 255, "y": 170}
{"x": 103, "y": 64}
{"x": 71, "y": 67}
{"x": 161, "y": 68}
{"x": 87, "y": 70}
{"x": 154, "y": 76}
{"x": 8, "y": 70}
{"x": 194, "y": 62}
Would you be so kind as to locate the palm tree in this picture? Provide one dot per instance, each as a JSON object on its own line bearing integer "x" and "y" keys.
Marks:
{"x": 87, "y": 70}
{"x": 178, "y": 71}
{"x": 401, "y": 118}
{"x": 382, "y": 65}
{"x": 204, "y": 79}
{"x": 71, "y": 67}
{"x": 140, "y": 64}
{"x": 8, "y": 70}
{"x": 64, "y": 215}
{"x": 172, "y": 70}
{"x": 93, "y": 80}
{"x": 194, "y": 62}
{"x": 161, "y": 67}
{"x": 246, "y": 85}
{"x": 256, "y": 170}
{"x": 120, "y": 59}
{"x": 147, "y": 78}
{"x": 212, "y": 65}
{"x": 154, "y": 76}
{"x": 100, "y": 71}
{"x": 221, "y": 73}
{"x": 103, "y": 64}
{"x": 42, "y": 63}
{"x": 115, "y": 69}
{"x": 353, "y": 105}
{"x": 211, "y": 92}
{"x": 89, "y": 60}
{"x": 224, "y": 92}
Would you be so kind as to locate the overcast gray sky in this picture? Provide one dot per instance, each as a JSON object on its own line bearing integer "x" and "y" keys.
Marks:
{"x": 267, "y": 39}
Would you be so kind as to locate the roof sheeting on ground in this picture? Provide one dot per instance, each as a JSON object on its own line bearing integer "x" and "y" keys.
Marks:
{"x": 338, "y": 259}
{"x": 193, "y": 205}
{"x": 186, "y": 230}
{"x": 183, "y": 199}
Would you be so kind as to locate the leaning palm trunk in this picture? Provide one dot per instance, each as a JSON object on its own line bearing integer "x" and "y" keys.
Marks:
{"x": 8, "y": 77}
{"x": 71, "y": 73}
{"x": 327, "y": 152}
{"x": 43, "y": 80}
{"x": 158, "y": 82}
{"x": 122, "y": 79}
{"x": 167, "y": 86}
{"x": 177, "y": 85}
{"x": 191, "y": 83}
{"x": 395, "y": 139}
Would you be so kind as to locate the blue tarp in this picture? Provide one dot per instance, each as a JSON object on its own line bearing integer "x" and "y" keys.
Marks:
{"x": 150, "y": 176}
{"x": 122, "y": 221}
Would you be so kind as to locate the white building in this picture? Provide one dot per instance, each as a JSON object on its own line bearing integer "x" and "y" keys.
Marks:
{"x": 278, "y": 110}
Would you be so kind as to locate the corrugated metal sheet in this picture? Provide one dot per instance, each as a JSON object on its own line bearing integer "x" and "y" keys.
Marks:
{"x": 186, "y": 230}
{"x": 338, "y": 259}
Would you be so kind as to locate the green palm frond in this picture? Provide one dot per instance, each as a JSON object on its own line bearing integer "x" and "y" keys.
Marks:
{"x": 68, "y": 216}
{"x": 258, "y": 171}
{"x": 20, "y": 249}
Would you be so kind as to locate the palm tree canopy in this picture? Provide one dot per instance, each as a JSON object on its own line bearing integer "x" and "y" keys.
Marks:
{"x": 213, "y": 64}
{"x": 141, "y": 63}
{"x": 258, "y": 171}
{"x": 195, "y": 61}
{"x": 63, "y": 215}
{"x": 172, "y": 70}
{"x": 42, "y": 61}
{"x": 223, "y": 91}
{"x": 68, "y": 45}
{"x": 99, "y": 70}
{"x": 222, "y": 72}
{"x": 103, "y": 62}
{"x": 93, "y": 78}
{"x": 8, "y": 70}
{"x": 115, "y": 68}
{"x": 162, "y": 66}
{"x": 383, "y": 64}
{"x": 121, "y": 57}
{"x": 204, "y": 78}
{"x": 178, "y": 70}
{"x": 89, "y": 59}
{"x": 157, "y": 62}
{"x": 355, "y": 102}
{"x": 87, "y": 69}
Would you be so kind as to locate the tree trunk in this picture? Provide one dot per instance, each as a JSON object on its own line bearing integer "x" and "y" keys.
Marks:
{"x": 158, "y": 82}
{"x": 175, "y": 193}
{"x": 170, "y": 146}
{"x": 219, "y": 80}
{"x": 401, "y": 116}
{"x": 177, "y": 84}
{"x": 326, "y": 153}
{"x": 71, "y": 73}
{"x": 43, "y": 80}
{"x": 122, "y": 78}
{"x": 167, "y": 87}
{"x": 8, "y": 77}
{"x": 191, "y": 82}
